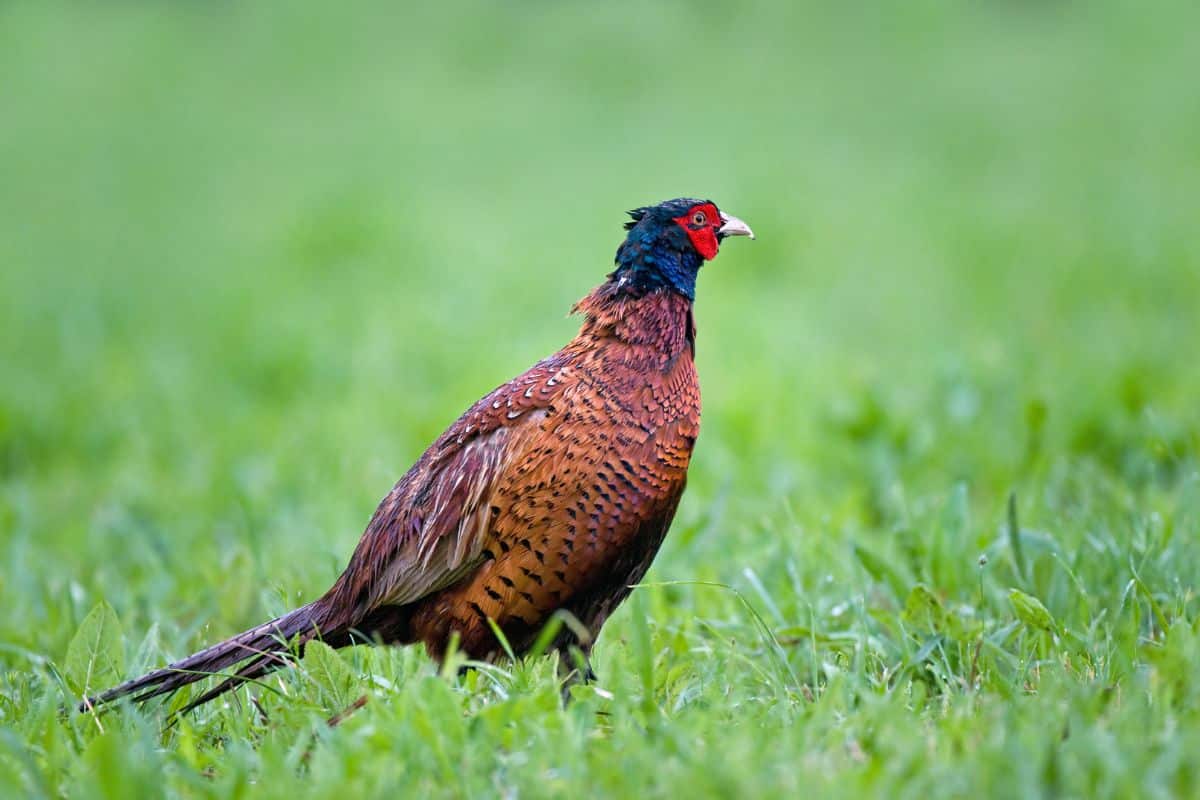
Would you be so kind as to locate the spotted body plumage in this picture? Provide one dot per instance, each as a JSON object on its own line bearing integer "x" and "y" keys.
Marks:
{"x": 552, "y": 493}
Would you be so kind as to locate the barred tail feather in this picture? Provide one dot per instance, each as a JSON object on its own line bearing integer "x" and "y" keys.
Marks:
{"x": 265, "y": 644}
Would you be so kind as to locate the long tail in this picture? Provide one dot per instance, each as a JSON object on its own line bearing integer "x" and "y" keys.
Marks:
{"x": 264, "y": 648}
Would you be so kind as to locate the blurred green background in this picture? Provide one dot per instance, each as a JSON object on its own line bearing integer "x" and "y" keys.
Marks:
{"x": 254, "y": 257}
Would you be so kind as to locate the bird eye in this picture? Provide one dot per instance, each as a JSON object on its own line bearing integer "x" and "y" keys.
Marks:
{"x": 698, "y": 218}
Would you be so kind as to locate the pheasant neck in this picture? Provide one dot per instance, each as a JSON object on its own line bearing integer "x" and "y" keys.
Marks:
{"x": 648, "y": 266}
{"x": 646, "y": 332}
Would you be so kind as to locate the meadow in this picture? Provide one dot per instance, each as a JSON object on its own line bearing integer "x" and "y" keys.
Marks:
{"x": 941, "y": 531}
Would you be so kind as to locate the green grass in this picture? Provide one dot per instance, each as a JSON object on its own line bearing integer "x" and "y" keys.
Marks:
{"x": 253, "y": 259}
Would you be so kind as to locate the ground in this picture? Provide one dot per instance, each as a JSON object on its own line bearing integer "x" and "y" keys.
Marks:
{"x": 253, "y": 258}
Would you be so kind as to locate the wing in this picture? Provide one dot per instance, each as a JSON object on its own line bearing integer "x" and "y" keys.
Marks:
{"x": 430, "y": 530}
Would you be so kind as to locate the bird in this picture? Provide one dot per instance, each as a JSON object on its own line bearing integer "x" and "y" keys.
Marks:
{"x": 551, "y": 495}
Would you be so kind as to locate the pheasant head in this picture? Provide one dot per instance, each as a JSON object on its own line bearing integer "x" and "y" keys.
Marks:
{"x": 667, "y": 244}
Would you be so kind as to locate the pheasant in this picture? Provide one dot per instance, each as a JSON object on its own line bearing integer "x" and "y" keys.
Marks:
{"x": 551, "y": 494}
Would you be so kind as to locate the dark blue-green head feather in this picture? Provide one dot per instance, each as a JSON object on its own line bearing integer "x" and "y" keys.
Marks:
{"x": 667, "y": 244}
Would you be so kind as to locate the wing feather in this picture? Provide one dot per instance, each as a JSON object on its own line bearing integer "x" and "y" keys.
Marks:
{"x": 433, "y": 527}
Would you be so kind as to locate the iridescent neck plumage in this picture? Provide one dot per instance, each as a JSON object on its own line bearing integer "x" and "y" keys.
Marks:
{"x": 645, "y": 265}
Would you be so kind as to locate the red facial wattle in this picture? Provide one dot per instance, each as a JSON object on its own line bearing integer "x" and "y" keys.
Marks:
{"x": 701, "y": 223}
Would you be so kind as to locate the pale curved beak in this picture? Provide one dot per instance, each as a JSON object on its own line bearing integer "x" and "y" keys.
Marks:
{"x": 732, "y": 226}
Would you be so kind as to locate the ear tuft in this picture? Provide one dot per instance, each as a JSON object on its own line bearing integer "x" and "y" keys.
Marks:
{"x": 637, "y": 215}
